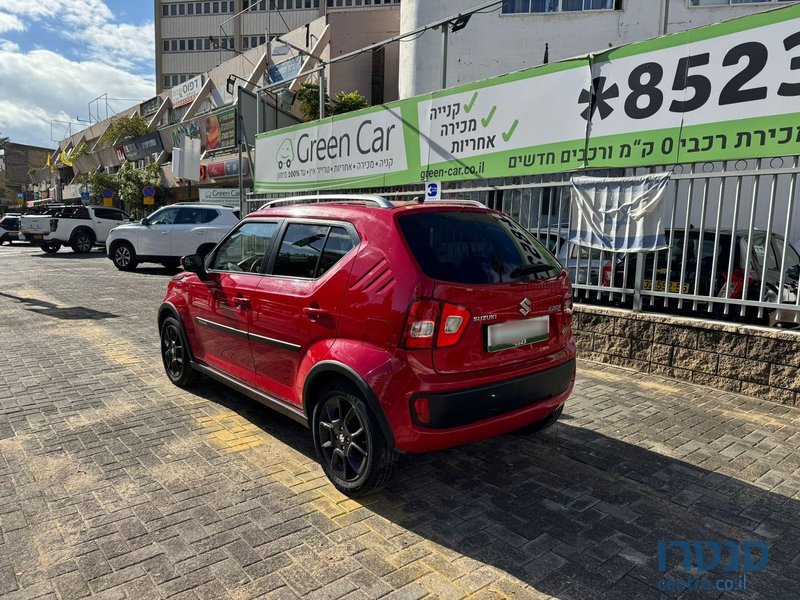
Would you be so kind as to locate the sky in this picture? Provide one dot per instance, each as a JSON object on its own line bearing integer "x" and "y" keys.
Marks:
{"x": 58, "y": 55}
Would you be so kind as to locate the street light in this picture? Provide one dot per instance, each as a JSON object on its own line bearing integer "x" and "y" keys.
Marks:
{"x": 322, "y": 82}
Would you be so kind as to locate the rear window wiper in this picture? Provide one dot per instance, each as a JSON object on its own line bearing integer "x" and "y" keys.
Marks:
{"x": 531, "y": 269}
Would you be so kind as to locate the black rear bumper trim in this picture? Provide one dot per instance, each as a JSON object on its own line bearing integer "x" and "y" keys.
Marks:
{"x": 465, "y": 407}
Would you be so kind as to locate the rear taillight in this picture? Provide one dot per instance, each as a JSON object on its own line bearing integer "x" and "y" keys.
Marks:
{"x": 734, "y": 285}
{"x": 53, "y": 225}
{"x": 567, "y": 307}
{"x": 432, "y": 323}
{"x": 607, "y": 274}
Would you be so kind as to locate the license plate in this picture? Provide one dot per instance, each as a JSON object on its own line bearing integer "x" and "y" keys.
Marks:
{"x": 38, "y": 236}
{"x": 513, "y": 334}
{"x": 674, "y": 286}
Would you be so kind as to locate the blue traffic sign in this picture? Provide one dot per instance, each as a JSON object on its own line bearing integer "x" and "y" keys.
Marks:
{"x": 148, "y": 191}
{"x": 107, "y": 193}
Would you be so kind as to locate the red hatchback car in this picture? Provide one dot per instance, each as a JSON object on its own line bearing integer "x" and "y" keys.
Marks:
{"x": 384, "y": 326}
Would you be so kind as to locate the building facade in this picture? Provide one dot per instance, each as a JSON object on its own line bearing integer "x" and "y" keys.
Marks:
{"x": 16, "y": 161}
{"x": 194, "y": 37}
{"x": 527, "y": 33}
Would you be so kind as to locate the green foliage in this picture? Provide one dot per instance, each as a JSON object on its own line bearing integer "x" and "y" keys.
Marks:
{"x": 124, "y": 128}
{"x": 78, "y": 151}
{"x": 127, "y": 185}
{"x": 345, "y": 102}
{"x": 308, "y": 95}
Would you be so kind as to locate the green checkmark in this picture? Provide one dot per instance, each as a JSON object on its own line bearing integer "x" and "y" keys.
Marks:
{"x": 507, "y": 134}
{"x": 485, "y": 122}
{"x": 468, "y": 107}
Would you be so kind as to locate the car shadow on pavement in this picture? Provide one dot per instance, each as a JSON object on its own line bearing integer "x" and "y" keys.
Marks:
{"x": 572, "y": 512}
{"x": 66, "y": 254}
{"x": 67, "y": 313}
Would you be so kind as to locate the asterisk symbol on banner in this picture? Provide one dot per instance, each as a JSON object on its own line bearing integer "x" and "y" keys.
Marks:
{"x": 598, "y": 98}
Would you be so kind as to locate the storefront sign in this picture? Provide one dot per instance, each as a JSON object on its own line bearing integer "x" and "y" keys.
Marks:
{"x": 186, "y": 92}
{"x": 150, "y": 107}
{"x": 142, "y": 147}
{"x": 224, "y": 196}
{"x": 720, "y": 92}
{"x": 287, "y": 69}
{"x": 228, "y": 168}
{"x": 220, "y": 130}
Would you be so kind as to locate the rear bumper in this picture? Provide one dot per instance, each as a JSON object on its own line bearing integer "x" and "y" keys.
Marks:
{"x": 476, "y": 413}
{"x": 467, "y": 407}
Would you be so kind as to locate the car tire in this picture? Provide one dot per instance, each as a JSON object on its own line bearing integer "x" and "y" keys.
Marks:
{"x": 175, "y": 354}
{"x": 51, "y": 247}
{"x": 124, "y": 256}
{"x": 82, "y": 243}
{"x": 349, "y": 442}
{"x": 542, "y": 424}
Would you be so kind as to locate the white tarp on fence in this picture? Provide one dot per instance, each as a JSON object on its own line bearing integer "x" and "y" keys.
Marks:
{"x": 618, "y": 214}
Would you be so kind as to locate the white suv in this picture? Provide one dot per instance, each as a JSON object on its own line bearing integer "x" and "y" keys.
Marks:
{"x": 170, "y": 233}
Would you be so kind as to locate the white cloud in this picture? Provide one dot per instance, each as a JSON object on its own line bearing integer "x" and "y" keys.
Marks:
{"x": 10, "y": 23}
{"x": 40, "y": 86}
{"x": 75, "y": 12}
{"x": 8, "y": 46}
{"x": 122, "y": 44}
{"x": 92, "y": 23}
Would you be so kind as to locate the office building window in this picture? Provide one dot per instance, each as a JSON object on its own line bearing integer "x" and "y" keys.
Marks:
{"x": 552, "y": 6}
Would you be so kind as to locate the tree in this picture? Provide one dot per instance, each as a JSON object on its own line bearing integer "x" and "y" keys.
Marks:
{"x": 308, "y": 95}
{"x": 127, "y": 185}
{"x": 345, "y": 102}
{"x": 124, "y": 128}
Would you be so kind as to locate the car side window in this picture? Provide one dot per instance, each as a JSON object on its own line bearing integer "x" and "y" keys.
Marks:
{"x": 194, "y": 216}
{"x": 300, "y": 250}
{"x": 165, "y": 216}
{"x": 111, "y": 215}
{"x": 337, "y": 245}
{"x": 244, "y": 251}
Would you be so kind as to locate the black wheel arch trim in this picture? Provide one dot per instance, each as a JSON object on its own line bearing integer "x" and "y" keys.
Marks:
{"x": 167, "y": 309}
{"x": 332, "y": 366}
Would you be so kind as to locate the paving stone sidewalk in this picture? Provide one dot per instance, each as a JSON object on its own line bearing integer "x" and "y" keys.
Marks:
{"x": 116, "y": 484}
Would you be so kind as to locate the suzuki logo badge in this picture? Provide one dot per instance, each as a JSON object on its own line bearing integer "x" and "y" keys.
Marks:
{"x": 525, "y": 307}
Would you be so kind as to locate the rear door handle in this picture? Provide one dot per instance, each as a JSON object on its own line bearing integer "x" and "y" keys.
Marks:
{"x": 241, "y": 303}
{"x": 315, "y": 314}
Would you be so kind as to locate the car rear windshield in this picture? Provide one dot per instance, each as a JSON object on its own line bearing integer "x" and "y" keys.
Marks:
{"x": 475, "y": 247}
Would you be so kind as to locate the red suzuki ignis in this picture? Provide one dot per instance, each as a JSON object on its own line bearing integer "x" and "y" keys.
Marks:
{"x": 384, "y": 326}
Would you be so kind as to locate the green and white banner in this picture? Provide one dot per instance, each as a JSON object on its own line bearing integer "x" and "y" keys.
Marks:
{"x": 726, "y": 91}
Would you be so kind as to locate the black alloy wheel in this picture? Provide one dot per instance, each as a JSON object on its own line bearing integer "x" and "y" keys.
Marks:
{"x": 349, "y": 443}
{"x": 82, "y": 244}
{"x": 175, "y": 354}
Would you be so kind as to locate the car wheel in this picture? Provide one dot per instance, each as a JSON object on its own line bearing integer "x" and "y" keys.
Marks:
{"x": 542, "y": 424}
{"x": 82, "y": 243}
{"x": 175, "y": 354}
{"x": 51, "y": 247}
{"x": 124, "y": 257}
{"x": 349, "y": 442}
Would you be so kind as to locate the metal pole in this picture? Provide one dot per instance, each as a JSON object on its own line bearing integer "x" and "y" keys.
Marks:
{"x": 322, "y": 86}
{"x": 445, "y": 33}
{"x": 666, "y": 17}
{"x": 241, "y": 182}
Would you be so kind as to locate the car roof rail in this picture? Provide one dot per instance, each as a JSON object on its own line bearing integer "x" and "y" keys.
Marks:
{"x": 454, "y": 201}
{"x": 378, "y": 201}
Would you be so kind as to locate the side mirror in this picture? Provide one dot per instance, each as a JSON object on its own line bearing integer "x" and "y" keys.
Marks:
{"x": 194, "y": 263}
{"x": 145, "y": 221}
